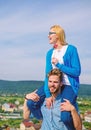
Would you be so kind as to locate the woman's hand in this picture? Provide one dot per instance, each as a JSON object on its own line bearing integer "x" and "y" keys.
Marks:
{"x": 54, "y": 61}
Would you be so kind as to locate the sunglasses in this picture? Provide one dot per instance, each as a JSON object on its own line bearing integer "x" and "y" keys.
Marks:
{"x": 52, "y": 33}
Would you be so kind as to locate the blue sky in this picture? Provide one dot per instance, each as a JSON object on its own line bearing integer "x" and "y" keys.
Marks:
{"x": 24, "y": 27}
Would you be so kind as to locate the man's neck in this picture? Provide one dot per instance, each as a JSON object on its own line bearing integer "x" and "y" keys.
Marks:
{"x": 54, "y": 95}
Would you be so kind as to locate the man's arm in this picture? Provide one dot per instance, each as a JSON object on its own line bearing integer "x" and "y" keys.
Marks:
{"x": 67, "y": 106}
{"x": 76, "y": 118}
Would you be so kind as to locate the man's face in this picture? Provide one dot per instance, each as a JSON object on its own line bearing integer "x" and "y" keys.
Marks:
{"x": 54, "y": 84}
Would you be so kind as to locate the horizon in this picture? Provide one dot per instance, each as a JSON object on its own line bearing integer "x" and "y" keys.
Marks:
{"x": 34, "y": 81}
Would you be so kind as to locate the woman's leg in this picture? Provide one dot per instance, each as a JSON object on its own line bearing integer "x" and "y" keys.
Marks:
{"x": 68, "y": 93}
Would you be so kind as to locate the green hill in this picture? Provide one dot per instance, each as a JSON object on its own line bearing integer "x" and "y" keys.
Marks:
{"x": 85, "y": 90}
{"x": 18, "y": 87}
{"x": 23, "y": 87}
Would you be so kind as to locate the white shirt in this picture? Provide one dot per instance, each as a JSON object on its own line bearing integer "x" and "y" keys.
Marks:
{"x": 51, "y": 117}
{"x": 59, "y": 53}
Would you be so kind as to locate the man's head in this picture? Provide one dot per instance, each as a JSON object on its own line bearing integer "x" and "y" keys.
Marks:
{"x": 55, "y": 81}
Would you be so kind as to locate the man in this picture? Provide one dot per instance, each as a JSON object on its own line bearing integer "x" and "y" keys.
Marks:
{"x": 51, "y": 117}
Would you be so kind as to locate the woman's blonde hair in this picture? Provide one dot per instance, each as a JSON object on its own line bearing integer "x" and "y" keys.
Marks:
{"x": 60, "y": 33}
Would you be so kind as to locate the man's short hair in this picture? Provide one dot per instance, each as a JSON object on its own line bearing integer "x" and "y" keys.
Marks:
{"x": 56, "y": 72}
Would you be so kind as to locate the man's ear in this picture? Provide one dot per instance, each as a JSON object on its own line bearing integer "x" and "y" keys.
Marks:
{"x": 61, "y": 84}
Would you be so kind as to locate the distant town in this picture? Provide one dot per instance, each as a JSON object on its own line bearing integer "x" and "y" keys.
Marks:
{"x": 11, "y": 108}
{"x": 12, "y": 95}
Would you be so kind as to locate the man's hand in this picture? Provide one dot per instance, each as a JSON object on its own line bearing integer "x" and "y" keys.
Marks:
{"x": 67, "y": 106}
{"x": 49, "y": 102}
{"x": 33, "y": 96}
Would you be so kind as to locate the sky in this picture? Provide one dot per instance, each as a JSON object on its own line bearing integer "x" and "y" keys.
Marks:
{"x": 24, "y": 27}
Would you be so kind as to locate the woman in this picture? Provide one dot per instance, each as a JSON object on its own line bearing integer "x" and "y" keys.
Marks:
{"x": 64, "y": 57}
